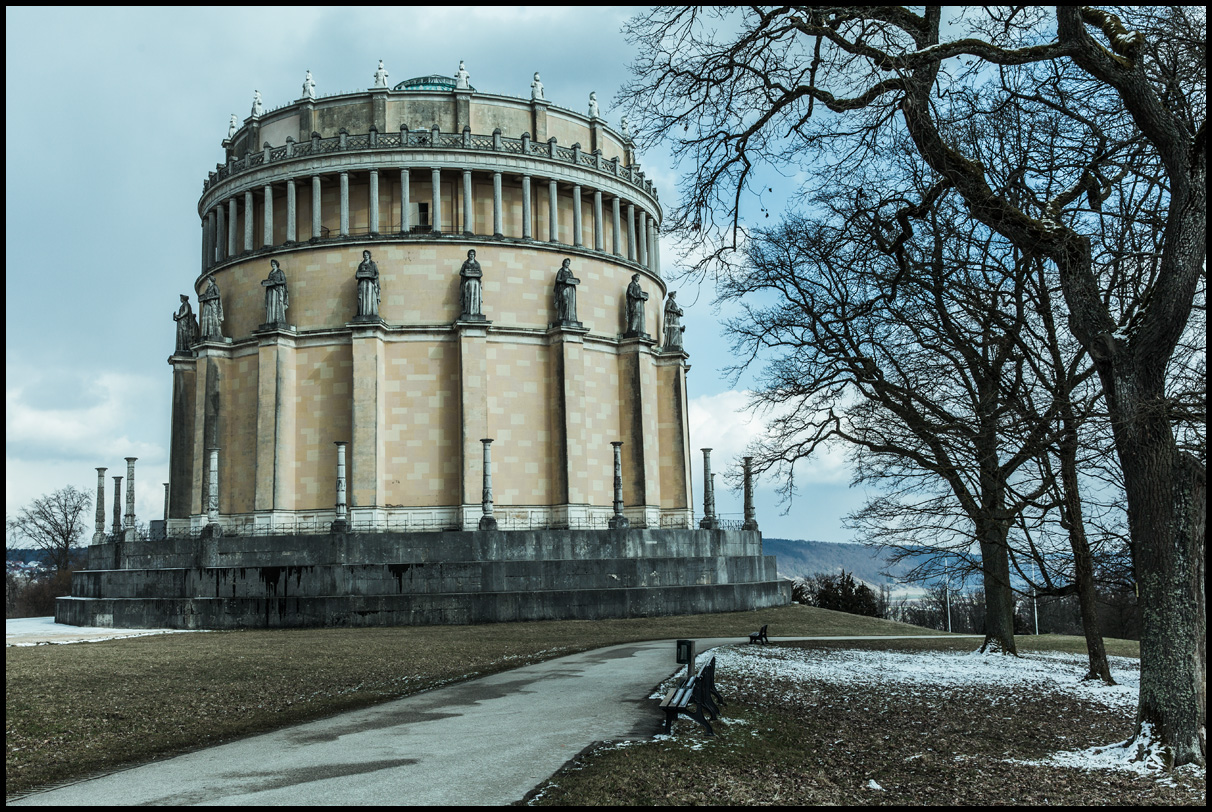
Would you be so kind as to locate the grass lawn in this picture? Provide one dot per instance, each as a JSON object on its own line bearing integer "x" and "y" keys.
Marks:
{"x": 852, "y": 733}
{"x": 75, "y": 710}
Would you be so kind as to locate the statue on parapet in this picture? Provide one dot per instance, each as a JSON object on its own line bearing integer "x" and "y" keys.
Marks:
{"x": 277, "y": 298}
{"x": 471, "y": 293}
{"x": 309, "y": 87}
{"x": 187, "y": 327}
{"x": 536, "y": 89}
{"x": 462, "y": 78}
{"x": 635, "y": 307}
{"x": 381, "y": 75}
{"x": 257, "y": 107}
{"x": 566, "y": 295}
{"x": 593, "y": 105}
{"x": 625, "y": 128}
{"x": 232, "y": 126}
{"x": 673, "y": 323}
{"x": 211, "y": 323}
{"x": 369, "y": 294}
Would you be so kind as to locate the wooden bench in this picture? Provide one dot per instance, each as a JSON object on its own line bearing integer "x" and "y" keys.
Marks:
{"x": 692, "y": 697}
{"x": 759, "y": 636}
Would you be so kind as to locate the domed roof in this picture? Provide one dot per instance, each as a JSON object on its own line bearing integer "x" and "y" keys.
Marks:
{"x": 434, "y": 82}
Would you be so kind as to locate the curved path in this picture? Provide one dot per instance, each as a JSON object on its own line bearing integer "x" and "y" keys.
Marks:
{"x": 486, "y": 741}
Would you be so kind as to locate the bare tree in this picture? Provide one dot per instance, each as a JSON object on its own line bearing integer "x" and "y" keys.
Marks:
{"x": 1131, "y": 88}
{"x": 54, "y": 524}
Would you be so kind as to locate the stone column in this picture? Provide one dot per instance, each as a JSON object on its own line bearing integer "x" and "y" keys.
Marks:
{"x": 233, "y": 211}
{"x": 117, "y": 529}
{"x": 656, "y": 249}
{"x": 316, "y": 220}
{"x": 553, "y": 215}
{"x": 631, "y": 252}
{"x": 526, "y": 229}
{"x": 487, "y": 522}
{"x": 469, "y": 210}
{"x": 248, "y": 220}
{"x": 130, "y": 497}
{"x": 344, "y": 204}
{"x": 212, "y": 497}
{"x": 618, "y": 521}
{"x": 750, "y": 513}
{"x": 405, "y": 203}
{"x": 576, "y": 216}
{"x": 498, "y": 225}
{"x": 615, "y": 228}
{"x": 643, "y": 238}
{"x": 292, "y": 212}
{"x": 212, "y": 249}
{"x": 374, "y": 201}
{"x": 599, "y": 243}
{"x": 267, "y": 226}
{"x": 342, "y": 521}
{"x": 205, "y": 246}
{"x": 220, "y": 232}
{"x": 435, "y": 216}
{"x": 99, "y": 531}
{"x": 709, "y": 521}
{"x": 166, "y": 493}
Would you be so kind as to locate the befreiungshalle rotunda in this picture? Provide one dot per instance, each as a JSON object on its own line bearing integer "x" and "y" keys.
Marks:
{"x": 432, "y": 375}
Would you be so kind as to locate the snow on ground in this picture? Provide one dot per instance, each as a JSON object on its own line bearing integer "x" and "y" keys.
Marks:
{"x": 40, "y": 631}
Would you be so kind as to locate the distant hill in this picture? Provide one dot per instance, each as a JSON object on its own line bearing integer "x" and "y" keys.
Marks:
{"x": 798, "y": 558}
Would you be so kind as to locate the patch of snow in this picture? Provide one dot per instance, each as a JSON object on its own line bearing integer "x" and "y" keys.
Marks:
{"x": 873, "y": 785}
{"x": 42, "y": 631}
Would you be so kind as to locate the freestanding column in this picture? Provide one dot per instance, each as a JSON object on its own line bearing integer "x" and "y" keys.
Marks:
{"x": 487, "y": 522}
{"x": 100, "y": 518}
{"x": 117, "y": 529}
{"x": 656, "y": 249}
{"x": 553, "y": 221}
{"x": 469, "y": 211}
{"x": 576, "y": 216}
{"x": 405, "y": 203}
{"x": 498, "y": 227}
{"x": 631, "y": 254}
{"x": 212, "y": 252}
{"x": 316, "y": 221}
{"x": 616, "y": 228}
{"x": 643, "y": 238}
{"x": 342, "y": 522}
{"x": 618, "y": 521}
{"x": 344, "y": 204}
{"x": 248, "y": 220}
{"x": 374, "y": 201}
{"x": 526, "y": 230}
{"x": 750, "y": 513}
{"x": 267, "y": 219}
{"x": 221, "y": 231}
{"x": 130, "y": 494}
{"x": 708, "y": 522}
{"x": 436, "y": 215}
{"x": 232, "y": 212}
{"x": 292, "y": 212}
{"x": 598, "y": 237}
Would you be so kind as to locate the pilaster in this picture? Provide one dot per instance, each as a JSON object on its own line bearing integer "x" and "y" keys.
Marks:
{"x": 274, "y": 477}
{"x": 182, "y": 449}
{"x": 473, "y": 413}
{"x": 638, "y": 424}
{"x": 368, "y": 457}
{"x": 570, "y": 464}
{"x": 538, "y": 112}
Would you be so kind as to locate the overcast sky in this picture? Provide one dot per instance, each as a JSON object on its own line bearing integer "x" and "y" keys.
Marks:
{"x": 114, "y": 117}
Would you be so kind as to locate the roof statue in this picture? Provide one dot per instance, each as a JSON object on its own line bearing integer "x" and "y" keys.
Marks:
{"x": 381, "y": 75}
{"x": 257, "y": 107}
{"x": 462, "y": 78}
{"x": 309, "y": 87}
{"x": 625, "y": 128}
{"x": 232, "y": 127}
{"x": 536, "y": 89}
{"x": 593, "y": 105}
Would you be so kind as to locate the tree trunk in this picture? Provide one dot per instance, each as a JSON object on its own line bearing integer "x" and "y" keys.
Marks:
{"x": 999, "y": 597}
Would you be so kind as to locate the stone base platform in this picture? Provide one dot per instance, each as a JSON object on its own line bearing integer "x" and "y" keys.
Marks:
{"x": 393, "y": 579}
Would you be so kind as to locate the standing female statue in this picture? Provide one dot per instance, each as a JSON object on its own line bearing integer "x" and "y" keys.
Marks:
{"x": 635, "y": 307}
{"x": 369, "y": 294}
{"x": 187, "y": 327}
{"x": 673, "y": 323}
{"x": 277, "y": 299}
{"x": 566, "y": 294}
{"x": 471, "y": 295}
{"x": 212, "y": 312}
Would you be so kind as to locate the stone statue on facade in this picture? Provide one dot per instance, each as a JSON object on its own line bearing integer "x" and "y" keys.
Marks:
{"x": 257, "y": 107}
{"x": 471, "y": 294}
{"x": 635, "y": 307}
{"x": 593, "y": 105}
{"x": 369, "y": 294}
{"x": 381, "y": 75}
{"x": 673, "y": 323}
{"x": 566, "y": 295}
{"x": 309, "y": 87}
{"x": 536, "y": 89}
{"x": 462, "y": 78}
{"x": 625, "y": 128}
{"x": 212, "y": 312}
{"x": 187, "y": 327}
{"x": 232, "y": 127}
{"x": 277, "y": 298}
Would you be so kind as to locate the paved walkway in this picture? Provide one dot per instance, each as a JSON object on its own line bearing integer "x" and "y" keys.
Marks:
{"x": 486, "y": 741}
